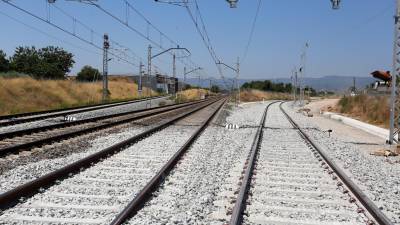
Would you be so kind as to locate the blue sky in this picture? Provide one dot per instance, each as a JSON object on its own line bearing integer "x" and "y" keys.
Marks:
{"x": 352, "y": 41}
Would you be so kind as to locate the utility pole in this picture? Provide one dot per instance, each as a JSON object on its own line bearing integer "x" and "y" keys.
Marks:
{"x": 148, "y": 81}
{"x": 237, "y": 79}
{"x": 198, "y": 87}
{"x": 184, "y": 76}
{"x": 395, "y": 101}
{"x": 174, "y": 71}
{"x": 294, "y": 85}
{"x": 106, "y": 46}
{"x": 140, "y": 79}
{"x": 302, "y": 73}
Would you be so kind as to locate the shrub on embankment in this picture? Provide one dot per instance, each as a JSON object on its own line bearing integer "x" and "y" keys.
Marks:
{"x": 191, "y": 95}
{"x": 251, "y": 95}
{"x": 371, "y": 109}
{"x": 25, "y": 94}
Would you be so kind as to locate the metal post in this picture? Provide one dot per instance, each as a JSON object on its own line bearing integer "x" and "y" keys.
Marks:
{"x": 237, "y": 79}
{"x": 140, "y": 79}
{"x": 184, "y": 76}
{"x": 148, "y": 103}
{"x": 294, "y": 85}
{"x": 174, "y": 72}
{"x": 198, "y": 87}
{"x": 394, "y": 102}
{"x": 106, "y": 46}
{"x": 302, "y": 71}
{"x": 294, "y": 88}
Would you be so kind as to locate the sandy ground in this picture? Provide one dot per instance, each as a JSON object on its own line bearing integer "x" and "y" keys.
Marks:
{"x": 342, "y": 131}
{"x": 322, "y": 104}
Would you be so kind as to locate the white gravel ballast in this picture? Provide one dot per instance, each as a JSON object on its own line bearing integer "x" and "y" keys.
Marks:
{"x": 378, "y": 177}
{"x": 200, "y": 189}
{"x": 100, "y": 192}
{"x": 25, "y": 173}
{"x": 289, "y": 185}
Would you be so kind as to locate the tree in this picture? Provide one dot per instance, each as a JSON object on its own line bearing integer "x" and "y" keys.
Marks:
{"x": 267, "y": 85}
{"x": 55, "y": 62}
{"x": 25, "y": 60}
{"x": 46, "y": 63}
{"x": 88, "y": 73}
{"x": 4, "y": 62}
{"x": 215, "y": 89}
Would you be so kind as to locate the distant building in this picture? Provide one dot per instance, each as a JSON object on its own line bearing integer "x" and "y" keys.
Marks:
{"x": 160, "y": 83}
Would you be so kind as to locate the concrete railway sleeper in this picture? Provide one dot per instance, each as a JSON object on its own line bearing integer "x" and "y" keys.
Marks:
{"x": 101, "y": 185}
{"x": 8, "y": 120}
{"x": 43, "y": 135}
{"x": 295, "y": 182}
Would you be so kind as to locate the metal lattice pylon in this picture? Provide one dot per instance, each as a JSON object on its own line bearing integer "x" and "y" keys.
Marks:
{"x": 395, "y": 97}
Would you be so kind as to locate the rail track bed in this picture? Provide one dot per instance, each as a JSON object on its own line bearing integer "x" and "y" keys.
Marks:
{"x": 289, "y": 181}
{"x": 23, "y": 121}
{"x": 98, "y": 194}
{"x": 14, "y": 142}
{"x": 182, "y": 171}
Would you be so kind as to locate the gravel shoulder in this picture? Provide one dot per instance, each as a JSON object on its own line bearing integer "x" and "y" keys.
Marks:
{"x": 350, "y": 148}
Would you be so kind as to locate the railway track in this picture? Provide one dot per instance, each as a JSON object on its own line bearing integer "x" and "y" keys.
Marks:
{"x": 22, "y": 140}
{"x": 8, "y": 120}
{"x": 110, "y": 185}
{"x": 292, "y": 181}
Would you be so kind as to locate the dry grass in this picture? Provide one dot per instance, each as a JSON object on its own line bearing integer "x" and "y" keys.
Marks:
{"x": 371, "y": 109}
{"x": 25, "y": 94}
{"x": 192, "y": 94}
{"x": 257, "y": 95}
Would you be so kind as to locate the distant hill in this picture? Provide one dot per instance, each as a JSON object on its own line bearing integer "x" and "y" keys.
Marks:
{"x": 328, "y": 83}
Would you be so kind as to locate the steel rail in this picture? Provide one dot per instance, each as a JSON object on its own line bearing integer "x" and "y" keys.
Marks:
{"x": 78, "y": 122}
{"x": 372, "y": 209}
{"x": 152, "y": 185}
{"x": 237, "y": 212}
{"x": 11, "y": 197}
{"x": 63, "y": 112}
{"x": 39, "y": 142}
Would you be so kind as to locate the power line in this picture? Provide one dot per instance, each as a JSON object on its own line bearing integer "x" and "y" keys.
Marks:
{"x": 139, "y": 33}
{"x": 47, "y": 34}
{"x": 65, "y": 31}
{"x": 205, "y": 37}
{"x": 251, "y": 32}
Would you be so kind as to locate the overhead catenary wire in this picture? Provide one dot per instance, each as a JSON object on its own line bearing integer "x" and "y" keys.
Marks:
{"x": 139, "y": 33}
{"x": 123, "y": 49}
{"x": 48, "y": 35}
{"x": 66, "y": 31}
{"x": 205, "y": 37}
{"x": 253, "y": 26}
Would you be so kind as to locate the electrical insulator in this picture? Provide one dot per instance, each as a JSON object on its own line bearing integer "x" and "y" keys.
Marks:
{"x": 232, "y": 3}
{"x": 335, "y": 4}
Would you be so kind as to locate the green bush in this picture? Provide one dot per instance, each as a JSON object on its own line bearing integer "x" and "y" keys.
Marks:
{"x": 88, "y": 73}
{"x": 12, "y": 74}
